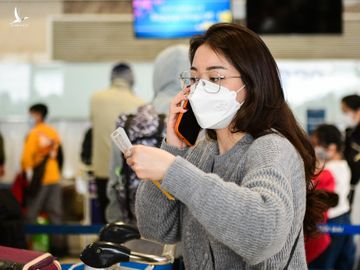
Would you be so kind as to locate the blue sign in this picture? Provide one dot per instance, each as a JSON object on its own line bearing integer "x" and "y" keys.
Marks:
{"x": 314, "y": 119}
{"x": 178, "y": 18}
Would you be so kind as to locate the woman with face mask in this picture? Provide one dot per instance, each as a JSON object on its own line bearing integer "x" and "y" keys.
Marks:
{"x": 243, "y": 195}
{"x": 350, "y": 105}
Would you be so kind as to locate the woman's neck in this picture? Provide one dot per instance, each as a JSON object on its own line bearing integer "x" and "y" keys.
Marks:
{"x": 226, "y": 139}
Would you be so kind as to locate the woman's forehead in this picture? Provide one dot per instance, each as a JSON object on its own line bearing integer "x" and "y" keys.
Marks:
{"x": 206, "y": 58}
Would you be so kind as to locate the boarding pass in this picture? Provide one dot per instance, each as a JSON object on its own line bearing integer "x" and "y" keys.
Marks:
{"x": 122, "y": 141}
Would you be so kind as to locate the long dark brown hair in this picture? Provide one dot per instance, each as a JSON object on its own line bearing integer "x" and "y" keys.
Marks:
{"x": 265, "y": 108}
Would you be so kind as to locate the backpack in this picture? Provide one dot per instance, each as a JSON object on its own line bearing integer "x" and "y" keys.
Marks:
{"x": 146, "y": 127}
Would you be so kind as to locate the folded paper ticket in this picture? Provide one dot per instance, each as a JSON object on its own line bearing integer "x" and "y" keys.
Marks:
{"x": 122, "y": 141}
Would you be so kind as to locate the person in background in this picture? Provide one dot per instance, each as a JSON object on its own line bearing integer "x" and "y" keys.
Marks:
{"x": 316, "y": 245}
{"x": 243, "y": 193}
{"x": 340, "y": 254}
{"x": 350, "y": 106}
{"x": 43, "y": 142}
{"x": 145, "y": 126}
{"x": 324, "y": 180}
{"x": 105, "y": 107}
{"x": 2, "y": 156}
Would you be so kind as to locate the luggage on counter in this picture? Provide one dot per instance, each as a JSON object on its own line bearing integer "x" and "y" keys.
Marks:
{"x": 22, "y": 259}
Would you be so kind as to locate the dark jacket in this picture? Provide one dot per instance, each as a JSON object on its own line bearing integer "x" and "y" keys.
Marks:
{"x": 2, "y": 151}
{"x": 352, "y": 152}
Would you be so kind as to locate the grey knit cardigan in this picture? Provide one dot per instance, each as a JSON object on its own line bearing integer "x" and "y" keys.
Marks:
{"x": 239, "y": 210}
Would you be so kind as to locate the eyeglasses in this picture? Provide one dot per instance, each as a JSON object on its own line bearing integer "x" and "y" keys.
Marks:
{"x": 189, "y": 78}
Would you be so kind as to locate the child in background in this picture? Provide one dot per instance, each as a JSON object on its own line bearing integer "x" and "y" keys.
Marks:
{"x": 328, "y": 146}
{"x": 315, "y": 246}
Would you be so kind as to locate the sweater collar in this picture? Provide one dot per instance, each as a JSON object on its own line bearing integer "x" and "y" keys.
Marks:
{"x": 244, "y": 142}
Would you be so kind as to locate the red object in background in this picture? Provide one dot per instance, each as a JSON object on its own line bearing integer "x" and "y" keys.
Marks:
{"x": 19, "y": 187}
{"x": 14, "y": 258}
{"x": 317, "y": 245}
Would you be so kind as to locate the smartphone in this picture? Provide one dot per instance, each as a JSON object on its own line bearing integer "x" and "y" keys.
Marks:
{"x": 186, "y": 126}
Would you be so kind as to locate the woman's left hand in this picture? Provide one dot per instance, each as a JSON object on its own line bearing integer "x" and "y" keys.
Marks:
{"x": 149, "y": 163}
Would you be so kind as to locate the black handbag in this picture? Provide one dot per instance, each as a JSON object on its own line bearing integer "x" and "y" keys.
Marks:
{"x": 36, "y": 179}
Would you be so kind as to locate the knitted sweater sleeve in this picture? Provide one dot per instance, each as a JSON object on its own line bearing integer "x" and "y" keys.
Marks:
{"x": 152, "y": 208}
{"x": 254, "y": 218}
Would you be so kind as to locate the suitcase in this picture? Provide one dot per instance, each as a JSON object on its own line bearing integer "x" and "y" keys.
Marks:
{"x": 22, "y": 259}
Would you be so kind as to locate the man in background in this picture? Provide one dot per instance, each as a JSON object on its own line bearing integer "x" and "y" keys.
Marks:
{"x": 350, "y": 105}
{"x": 40, "y": 163}
{"x": 105, "y": 106}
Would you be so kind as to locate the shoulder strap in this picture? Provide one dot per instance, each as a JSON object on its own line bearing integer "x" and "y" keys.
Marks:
{"x": 293, "y": 250}
{"x": 43, "y": 161}
{"x": 161, "y": 124}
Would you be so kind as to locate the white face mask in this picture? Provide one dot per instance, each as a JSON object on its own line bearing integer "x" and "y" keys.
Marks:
{"x": 349, "y": 120}
{"x": 321, "y": 153}
{"x": 213, "y": 109}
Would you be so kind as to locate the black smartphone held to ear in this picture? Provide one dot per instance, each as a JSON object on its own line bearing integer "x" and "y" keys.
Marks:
{"x": 186, "y": 126}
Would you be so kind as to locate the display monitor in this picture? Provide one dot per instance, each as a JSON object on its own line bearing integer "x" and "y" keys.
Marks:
{"x": 294, "y": 16}
{"x": 177, "y": 18}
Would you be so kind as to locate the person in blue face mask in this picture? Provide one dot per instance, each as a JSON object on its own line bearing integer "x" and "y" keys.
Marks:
{"x": 243, "y": 194}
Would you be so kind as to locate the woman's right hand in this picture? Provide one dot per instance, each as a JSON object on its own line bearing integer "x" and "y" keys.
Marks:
{"x": 175, "y": 109}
